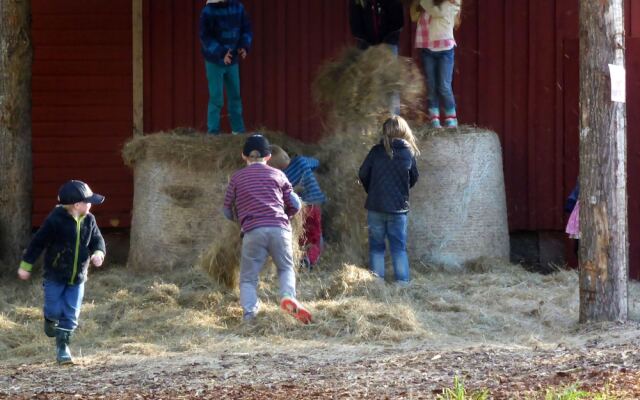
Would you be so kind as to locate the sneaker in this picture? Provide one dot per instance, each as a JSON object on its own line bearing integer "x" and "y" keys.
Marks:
{"x": 249, "y": 319}
{"x": 297, "y": 310}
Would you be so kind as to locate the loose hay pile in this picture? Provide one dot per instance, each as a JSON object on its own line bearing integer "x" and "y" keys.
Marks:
{"x": 130, "y": 312}
{"x": 357, "y": 87}
{"x": 221, "y": 260}
{"x": 345, "y": 225}
{"x": 179, "y": 180}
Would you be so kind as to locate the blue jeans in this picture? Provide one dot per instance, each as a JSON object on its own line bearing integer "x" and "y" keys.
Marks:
{"x": 222, "y": 77}
{"x": 394, "y": 228}
{"x": 62, "y": 303}
{"x": 438, "y": 69}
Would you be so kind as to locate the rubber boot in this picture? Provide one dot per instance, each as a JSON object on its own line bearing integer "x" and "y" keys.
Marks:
{"x": 434, "y": 117}
{"x": 50, "y": 327}
{"x": 63, "y": 355}
{"x": 450, "y": 118}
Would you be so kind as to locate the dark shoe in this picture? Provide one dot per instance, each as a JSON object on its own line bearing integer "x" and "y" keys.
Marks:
{"x": 50, "y": 327}
{"x": 63, "y": 355}
{"x": 305, "y": 264}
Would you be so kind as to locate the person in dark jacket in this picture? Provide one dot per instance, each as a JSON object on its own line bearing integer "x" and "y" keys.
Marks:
{"x": 225, "y": 37}
{"x": 71, "y": 240}
{"x": 387, "y": 174}
{"x": 374, "y": 22}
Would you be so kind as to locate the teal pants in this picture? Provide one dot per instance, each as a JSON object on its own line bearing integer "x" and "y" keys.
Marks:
{"x": 222, "y": 77}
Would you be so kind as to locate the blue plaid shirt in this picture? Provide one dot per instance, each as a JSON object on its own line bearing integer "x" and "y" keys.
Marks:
{"x": 224, "y": 26}
{"x": 300, "y": 173}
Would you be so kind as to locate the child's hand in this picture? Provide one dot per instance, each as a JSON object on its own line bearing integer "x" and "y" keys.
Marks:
{"x": 24, "y": 275}
{"x": 97, "y": 259}
{"x": 228, "y": 58}
{"x": 243, "y": 53}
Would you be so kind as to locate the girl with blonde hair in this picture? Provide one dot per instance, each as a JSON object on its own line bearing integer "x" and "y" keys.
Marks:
{"x": 387, "y": 174}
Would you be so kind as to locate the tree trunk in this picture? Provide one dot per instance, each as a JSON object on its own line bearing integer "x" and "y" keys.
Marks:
{"x": 603, "y": 176}
{"x": 15, "y": 130}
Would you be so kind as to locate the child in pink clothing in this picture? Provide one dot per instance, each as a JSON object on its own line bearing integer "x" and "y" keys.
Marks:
{"x": 573, "y": 226}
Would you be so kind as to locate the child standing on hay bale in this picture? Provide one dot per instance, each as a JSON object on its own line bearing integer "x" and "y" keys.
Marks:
{"x": 71, "y": 240}
{"x": 436, "y": 20}
{"x": 264, "y": 201}
{"x": 299, "y": 171}
{"x": 387, "y": 174}
{"x": 225, "y": 36}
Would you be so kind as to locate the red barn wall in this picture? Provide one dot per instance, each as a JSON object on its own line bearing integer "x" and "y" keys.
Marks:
{"x": 82, "y": 102}
{"x": 516, "y": 73}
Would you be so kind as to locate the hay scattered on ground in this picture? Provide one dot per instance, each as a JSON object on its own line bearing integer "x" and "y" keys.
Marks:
{"x": 133, "y": 313}
{"x": 357, "y": 87}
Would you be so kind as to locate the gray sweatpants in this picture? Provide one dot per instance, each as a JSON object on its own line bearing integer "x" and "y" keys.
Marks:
{"x": 257, "y": 245}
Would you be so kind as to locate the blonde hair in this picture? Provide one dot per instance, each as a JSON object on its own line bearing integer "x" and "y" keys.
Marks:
{"x": 397, "y": 128}
{"x": 279, "y": 158}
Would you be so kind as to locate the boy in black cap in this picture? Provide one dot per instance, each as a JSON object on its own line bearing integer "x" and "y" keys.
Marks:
{"x": 71, "y": 240}
{"x": 261, "y": 199}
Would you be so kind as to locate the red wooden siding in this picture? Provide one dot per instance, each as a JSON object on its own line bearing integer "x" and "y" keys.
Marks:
{"x": 82, "y": 102}
{"x": 516, "y": 73}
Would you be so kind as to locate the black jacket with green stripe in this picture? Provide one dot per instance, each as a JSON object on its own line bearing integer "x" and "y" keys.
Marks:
{"x": 68, "y": 244}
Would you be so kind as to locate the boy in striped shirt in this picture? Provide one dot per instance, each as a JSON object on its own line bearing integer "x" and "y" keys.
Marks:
{"x": 299, "y": 171}
{"x": 261, "y": 199}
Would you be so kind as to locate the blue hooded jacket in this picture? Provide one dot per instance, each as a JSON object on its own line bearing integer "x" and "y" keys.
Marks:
{"x": 387, "y": 180}
{"x": 224, "y": 26}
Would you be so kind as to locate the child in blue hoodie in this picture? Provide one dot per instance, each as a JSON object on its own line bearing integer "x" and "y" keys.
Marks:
{"x": 225, "y": 37}
{"x": 387, "y": 174}
{"x": 299, "y": 171}
{"x": 71, "y": 240}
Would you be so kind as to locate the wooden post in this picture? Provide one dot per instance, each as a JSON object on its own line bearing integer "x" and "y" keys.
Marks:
{"x": 15, "y": 131}
{"x": 138, "y": 67}
{"x": 603, "y": 177}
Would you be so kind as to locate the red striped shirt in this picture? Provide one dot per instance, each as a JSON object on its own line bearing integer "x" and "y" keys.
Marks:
{"x": 261, "y": 196}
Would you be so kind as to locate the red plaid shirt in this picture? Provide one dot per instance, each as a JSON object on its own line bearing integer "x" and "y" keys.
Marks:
{"x": 422, "y": 36}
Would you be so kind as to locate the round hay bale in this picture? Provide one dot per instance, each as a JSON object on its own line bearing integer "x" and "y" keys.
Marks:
{"x": 458, "y": 207}
{"x": 179, "y": 184}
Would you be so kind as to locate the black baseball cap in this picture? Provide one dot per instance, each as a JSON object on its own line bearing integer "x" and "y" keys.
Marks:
{"x": 78, "y": 192}
{"x": 258, "y": 143}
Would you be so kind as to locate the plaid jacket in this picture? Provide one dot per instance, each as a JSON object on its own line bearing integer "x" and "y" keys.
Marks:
{"x": 224, "y": 26}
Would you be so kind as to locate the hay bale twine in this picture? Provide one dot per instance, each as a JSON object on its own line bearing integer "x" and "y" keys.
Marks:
{"x": 458, "y": 208}
{"x": 179, "y": 187}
